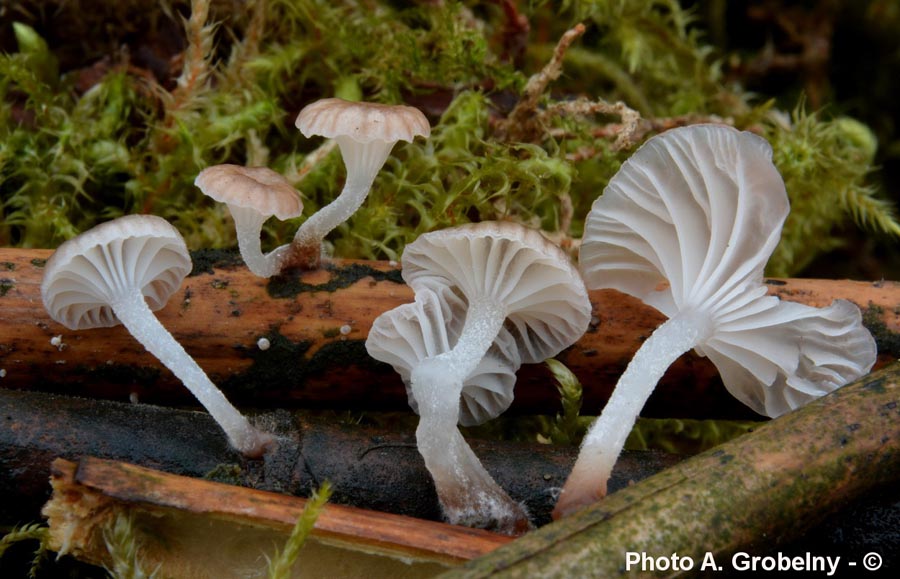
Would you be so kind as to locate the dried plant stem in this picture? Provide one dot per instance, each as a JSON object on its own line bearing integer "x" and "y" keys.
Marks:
{"x": 297, "y": 174}
{"x": 627, "y": 133}
{"x": 192, "y": 82}
{"x": 524, "y": 122}
{"x": 196, "y": 66}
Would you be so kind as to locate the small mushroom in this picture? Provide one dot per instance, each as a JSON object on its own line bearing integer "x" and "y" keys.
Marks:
{"x": 252, "y": 194}
{"x": 488, "y": 296}
{"x": 120, "y": 272}
{"x": 431, "y": 325}
{"x": 687, "y": 225}
{"x": 365, "y": 133}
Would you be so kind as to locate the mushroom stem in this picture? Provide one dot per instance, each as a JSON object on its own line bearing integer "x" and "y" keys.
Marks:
{"x": 363, "y": 161}
{"x": 138, "y": 319}
{"x": 606, "y": 437}
{"x": 250, "y": 245}
{"x": 468, "y": 494}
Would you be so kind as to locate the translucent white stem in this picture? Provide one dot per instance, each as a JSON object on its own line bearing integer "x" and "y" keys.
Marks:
{"x": 248, "y": 226}
{"x": 135, "y": 315}
{"x": 604, "y": 441}
{"x": 468, "y": 493}
{"x": 363, "y": 161}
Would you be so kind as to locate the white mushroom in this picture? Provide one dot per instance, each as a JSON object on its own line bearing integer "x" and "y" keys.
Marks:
{"x": 120, "y": 272}
{"x": 687, "y": 225}
{"x": 504, "y": 292}
{"x": 252, "y": 194}
{"x": 365, "y": 133}
{"x": 431, "y": 325}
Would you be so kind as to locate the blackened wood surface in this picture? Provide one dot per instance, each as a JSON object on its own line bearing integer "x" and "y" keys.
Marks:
{"x": 372, "y": 468}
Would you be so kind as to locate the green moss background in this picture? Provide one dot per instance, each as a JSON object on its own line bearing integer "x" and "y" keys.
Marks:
{"x": 109, "y": 108}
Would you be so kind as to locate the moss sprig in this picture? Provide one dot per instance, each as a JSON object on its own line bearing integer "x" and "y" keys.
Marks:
{"x": 31, "y": 532}
{"x": 122, "y": 545}
{"x": 825, "y": 164}
{"x": 568, "y": 427}
{"x": 283, "y": 561}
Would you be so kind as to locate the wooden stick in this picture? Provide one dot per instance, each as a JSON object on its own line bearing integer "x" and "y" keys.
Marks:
{"x": 749, "y": 495}
{"x": 372, "y": 467}
{"x": 317, "y": 324}
{"x": 180, "y": 525}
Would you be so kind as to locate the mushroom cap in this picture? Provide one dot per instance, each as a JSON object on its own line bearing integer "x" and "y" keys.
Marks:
{"x": 257, "y": 188}
{"x": 688, "y": 223}
{"x": 546, "y": 303}
{"x": 431, "y": 325}
{"x": 694, "y": 214}
{"x": 785, "y": 354}
{"x": 362, "y": 122}
{"x": 86, "y": 273}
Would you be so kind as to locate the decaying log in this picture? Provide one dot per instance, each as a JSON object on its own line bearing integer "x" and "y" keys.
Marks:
{"x": 316, "y": 325}
{"x": 750, "y": 495}
{"x": 370, "y": 467}
{"x": 191, "y": 528}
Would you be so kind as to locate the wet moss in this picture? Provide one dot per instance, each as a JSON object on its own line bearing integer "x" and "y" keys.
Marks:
{"x": 289, "y": 286}
{"x": 7, "y": 266}
{"x": 38, "y": 262}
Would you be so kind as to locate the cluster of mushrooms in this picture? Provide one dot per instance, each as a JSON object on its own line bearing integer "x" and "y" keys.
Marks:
{"x": 686, "y": 225}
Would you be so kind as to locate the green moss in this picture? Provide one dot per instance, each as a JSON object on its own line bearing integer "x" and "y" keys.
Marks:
{"x": 32, "y": 532}
{"x": 824, "y": 164}
{"x": 282, "y": 562}
{"x": 684, "y": 436}
{"x": 78, "y": 148}
{"x": 5, "y": 286}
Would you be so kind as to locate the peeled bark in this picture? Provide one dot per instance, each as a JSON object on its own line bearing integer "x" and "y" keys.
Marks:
{"x": 179, "y": 526}
{"x": 752, "y": 495}
{"x": 317, "y": 322}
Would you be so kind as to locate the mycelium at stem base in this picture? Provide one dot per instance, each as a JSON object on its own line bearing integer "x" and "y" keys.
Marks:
{"x": 606, "y": 437}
